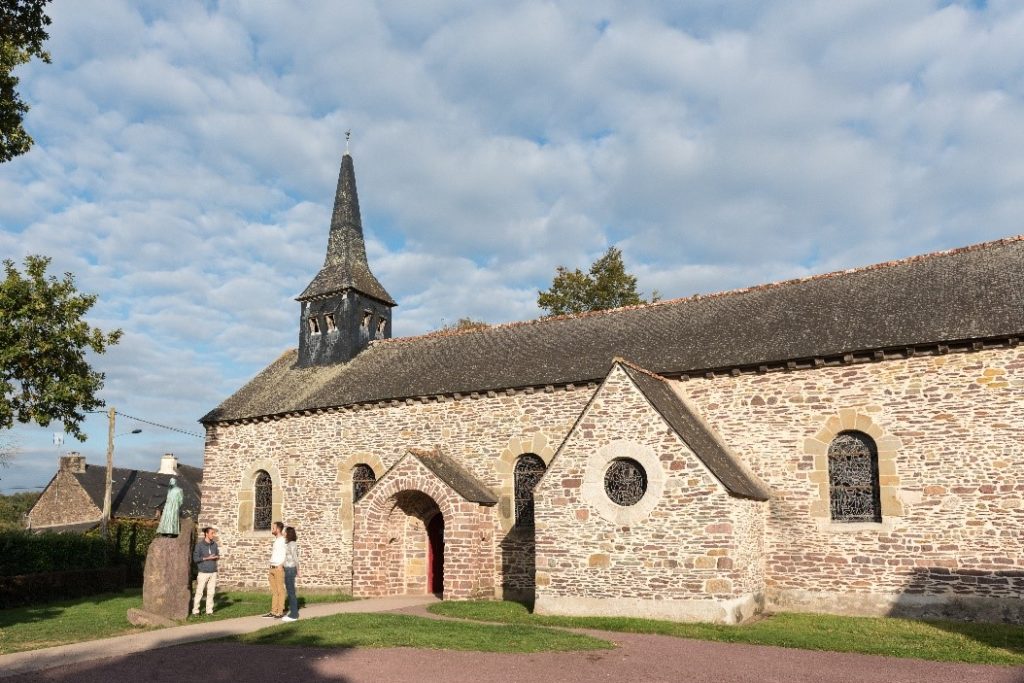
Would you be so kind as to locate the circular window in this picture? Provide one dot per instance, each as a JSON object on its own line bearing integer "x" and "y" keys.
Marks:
{"x": 625, "y": 481}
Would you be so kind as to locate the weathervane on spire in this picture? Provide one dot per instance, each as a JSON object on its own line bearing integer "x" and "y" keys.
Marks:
{"x": 348, "y": 136}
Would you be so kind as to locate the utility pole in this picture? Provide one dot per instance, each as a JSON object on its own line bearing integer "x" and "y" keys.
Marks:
{"x": 105, "y": 519}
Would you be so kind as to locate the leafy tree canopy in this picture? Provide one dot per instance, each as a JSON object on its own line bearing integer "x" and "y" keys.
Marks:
{"x": 463, "y": 324}
{"x": 22, "y": 33}
{"x": 13, "y": 509}
{"x": 607, "y": 285}
{"x": 44, "y": 375}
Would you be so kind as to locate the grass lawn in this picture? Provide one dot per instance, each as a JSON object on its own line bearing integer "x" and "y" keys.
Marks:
{"x": 102, "y": 616}
{"x": 398, "y": 630}
{"x": 938, "y": 641}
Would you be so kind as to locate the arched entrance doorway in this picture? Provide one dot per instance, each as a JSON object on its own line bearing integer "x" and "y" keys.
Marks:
{"x": 435, "y": 555}
{"x": 415, "y": 545}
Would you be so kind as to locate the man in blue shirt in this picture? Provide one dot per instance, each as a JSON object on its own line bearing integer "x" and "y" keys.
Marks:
{"x": 205, "y": 555}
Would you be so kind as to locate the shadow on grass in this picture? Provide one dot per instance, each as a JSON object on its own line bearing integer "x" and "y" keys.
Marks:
{"x": 55, "y": 610}
{"x": 959, "y": 601}
{"x": 232, "y": 604}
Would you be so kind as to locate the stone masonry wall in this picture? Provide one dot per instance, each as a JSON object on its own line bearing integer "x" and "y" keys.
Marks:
{"x": 64, "y": 501}
{"x": 694, "y": 553}
{"x": 949, "y": 430}
{"x": 950, "y": 433}
{"x": 310, "y": 457}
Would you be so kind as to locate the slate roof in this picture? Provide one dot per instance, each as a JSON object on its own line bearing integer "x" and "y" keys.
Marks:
{"x": 965, "y": 294}
{"x": 137, "y": 494}
{"x": 698, "y": 435}
{"x": 345, "y": 266}
{"x": 452, "y": 474}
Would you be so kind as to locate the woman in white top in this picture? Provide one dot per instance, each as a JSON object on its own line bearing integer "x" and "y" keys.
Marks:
{"x": 291, "y": 571}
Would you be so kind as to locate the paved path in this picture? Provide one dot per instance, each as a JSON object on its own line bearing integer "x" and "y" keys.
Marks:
{"x": 65, "y": 655}
{"x": 646, "y": 659}
{"x": 650, "y": 659}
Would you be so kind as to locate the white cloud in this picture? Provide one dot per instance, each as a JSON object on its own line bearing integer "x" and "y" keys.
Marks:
{"x": 188, "y": 152}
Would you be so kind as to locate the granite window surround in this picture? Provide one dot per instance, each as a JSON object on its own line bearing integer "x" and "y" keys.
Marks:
{"x": 259, "y": 474}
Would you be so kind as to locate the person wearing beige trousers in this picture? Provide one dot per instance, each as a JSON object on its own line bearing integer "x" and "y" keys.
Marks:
{"x": 276, "y": 574}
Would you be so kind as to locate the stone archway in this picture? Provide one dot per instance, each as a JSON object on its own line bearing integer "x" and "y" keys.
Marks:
{"x": 391, "y": 549}
{"x": 407, "y": 562}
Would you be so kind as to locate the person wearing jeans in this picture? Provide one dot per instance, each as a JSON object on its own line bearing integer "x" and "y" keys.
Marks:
{"x": 291, "y": 570}
{"x": 276, "y": 574}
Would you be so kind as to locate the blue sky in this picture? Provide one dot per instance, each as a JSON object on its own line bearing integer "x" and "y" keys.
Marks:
{"x": 187, "y": 154}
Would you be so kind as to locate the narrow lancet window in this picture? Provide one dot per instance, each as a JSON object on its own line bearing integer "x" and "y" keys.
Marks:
{"x": 363, "y": 479}
{"x": 263, "y": 501}
{"x": 528, "y": 471}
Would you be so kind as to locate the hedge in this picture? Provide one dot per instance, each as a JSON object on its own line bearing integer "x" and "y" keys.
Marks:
{"x": 32, "y": 589}
{"x": 50, "y": 566}
{"x": 129, "y": 542}
{"x": 22, "y": 552}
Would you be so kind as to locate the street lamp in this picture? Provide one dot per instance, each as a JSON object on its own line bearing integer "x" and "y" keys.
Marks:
{"x": 105, "y": 519}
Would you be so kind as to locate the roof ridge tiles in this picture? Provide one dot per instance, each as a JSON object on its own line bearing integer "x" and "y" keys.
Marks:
{"x": 439, "y": 334}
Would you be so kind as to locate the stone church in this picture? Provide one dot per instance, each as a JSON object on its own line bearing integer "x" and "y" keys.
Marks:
{"x": 849, "y": 443}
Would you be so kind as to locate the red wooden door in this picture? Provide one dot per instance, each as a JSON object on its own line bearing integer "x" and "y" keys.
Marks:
{"x": 435, "y": 554}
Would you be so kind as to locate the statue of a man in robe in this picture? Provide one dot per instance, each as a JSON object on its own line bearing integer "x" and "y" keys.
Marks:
{"x": 170, "y": 523}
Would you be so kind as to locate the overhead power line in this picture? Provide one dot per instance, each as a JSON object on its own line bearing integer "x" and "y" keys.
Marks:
{"x": 155, "y": 424}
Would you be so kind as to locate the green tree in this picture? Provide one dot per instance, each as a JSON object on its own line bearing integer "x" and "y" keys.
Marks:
{"x": 463, "y": 324}
{"x": 13, "y": 509}
{"x": 22, "y": 33}
{"x": 44, "y": 375}
{"x": 607, "y": 285}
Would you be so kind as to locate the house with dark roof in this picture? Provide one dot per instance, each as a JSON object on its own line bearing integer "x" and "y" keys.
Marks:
{"x": 848, "y": 442}
{"x": 73, "y": 500}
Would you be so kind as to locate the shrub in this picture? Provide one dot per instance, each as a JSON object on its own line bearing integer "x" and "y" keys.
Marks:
{"x": 129, "y": 542}
{"x": 22, "y": 552}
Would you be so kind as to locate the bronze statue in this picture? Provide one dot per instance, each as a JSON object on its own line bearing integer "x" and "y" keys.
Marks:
{"x": 170, "y": 523}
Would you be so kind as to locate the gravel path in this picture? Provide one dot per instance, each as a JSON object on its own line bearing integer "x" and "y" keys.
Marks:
{"x": 651, "y": 659}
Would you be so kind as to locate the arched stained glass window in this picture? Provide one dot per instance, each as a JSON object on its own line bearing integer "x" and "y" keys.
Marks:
{"x": 263, "y": 507}
{"x": 528, "y": 471}
{"x": 363, "y": 480}
{"x": 853, "y": 478}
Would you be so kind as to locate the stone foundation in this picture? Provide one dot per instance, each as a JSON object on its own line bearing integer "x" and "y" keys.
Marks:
{"x": 911, "y": 606}
{"x": 731, "y": 611}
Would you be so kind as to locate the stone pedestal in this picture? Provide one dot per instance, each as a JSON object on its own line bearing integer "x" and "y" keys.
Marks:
{"x": 166, "y": 588}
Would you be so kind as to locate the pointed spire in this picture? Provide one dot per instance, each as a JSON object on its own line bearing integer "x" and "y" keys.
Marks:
{"x": 345, "y": 244}
{"x": 345, "y": 265}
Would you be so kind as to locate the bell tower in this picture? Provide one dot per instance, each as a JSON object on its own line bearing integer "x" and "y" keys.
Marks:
{"x": 344, "y": 307}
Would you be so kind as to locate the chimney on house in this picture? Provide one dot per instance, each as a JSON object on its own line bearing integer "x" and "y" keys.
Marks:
{"x": 73, "y": 462}
{"x": 168, "y": 464}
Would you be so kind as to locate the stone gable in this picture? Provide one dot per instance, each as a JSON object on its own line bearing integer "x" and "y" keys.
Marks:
{"x": 63, "y": 502}
{"x": 687, "y": 550}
